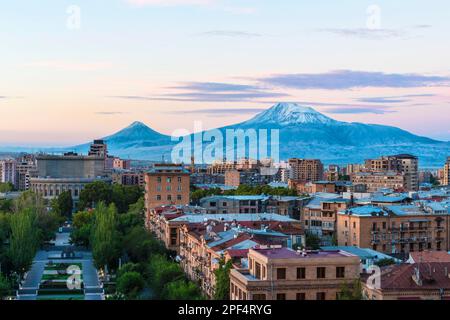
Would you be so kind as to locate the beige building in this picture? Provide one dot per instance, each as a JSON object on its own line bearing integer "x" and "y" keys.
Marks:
{"x": 306, "y": 169}
{"x": 284, "y": 274}
{"x": 394, "y": 229}
{"x": 446, "y": 178}
{"x": 379, "y": 180}
{"x": 167, "y": 184}
{"x": 405, "y": 164}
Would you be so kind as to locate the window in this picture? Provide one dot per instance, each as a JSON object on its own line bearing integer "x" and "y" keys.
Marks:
{"x": 259, "y": 297}
{"x": 320, "y": 296}
{"x": 258, "y": 270}
{"x": 169, "y": 180}
{"x": 384, "y": 225}
{"x": 179, "y": 197}
{"x": 301, "y": 296}
{"x": 321, "y": 273}
{"x": 340, "y": 272}
{"x": 354, "y": 224}
{"x": 281, "y": 273}
{"x": 158, "y": 179}
{"x": 281, "y": 296}
{"x": 212, "y": 204}
{"x": 179, "y": 179}
{"x": 168, "y": 188}
{"x": 301, "y": 273}
{"x": 169, "y": 197}
{"x": 158, "y": 197}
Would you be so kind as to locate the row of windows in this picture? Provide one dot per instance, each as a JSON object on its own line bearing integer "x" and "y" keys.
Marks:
{"x": 168, "y": 179}
{"x": 321, "y": 273}
{"x": 169, "y": 197}
{"x": 298, "y": 296}
{"x": 168, "y": 188}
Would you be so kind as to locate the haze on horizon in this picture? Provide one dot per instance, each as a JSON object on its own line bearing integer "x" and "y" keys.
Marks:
{"x": 77, "y": 70}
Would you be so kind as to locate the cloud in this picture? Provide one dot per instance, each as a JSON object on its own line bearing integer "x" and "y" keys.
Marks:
{"x": 365, "y": 33}
{"x": 344, "y": 110}
{"x": 171, "y": 2}
{"x": 348, "y": 79}
{"x": 393, "y": 99}
{"x": 110, "y": 113}
{"x": 222, "y": 111}
{"x": 376, "y": 34}
{"x": 212, "y": 92}
{"x": 230, "y": 33}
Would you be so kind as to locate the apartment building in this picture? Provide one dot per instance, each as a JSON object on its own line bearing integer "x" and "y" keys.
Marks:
{"x": 319, "y": 216}
{"x": 446, "y": 177}
{"x": 128, "y": 178}
{"x": 8, "y": 170}
{"x": 306, "y": 169}
{"x": 234, "y": 204}
{"x": 203, "y": 245}
{"x": 375, "y": 181}
{"x": 167, "y": 184}
{"x": 397, "y": 229}
{"x": 285, "y": 274}
{"x": 404, "y": 164}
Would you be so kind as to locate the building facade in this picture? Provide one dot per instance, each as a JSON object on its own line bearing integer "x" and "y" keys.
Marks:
{"x": 284, "y": 274}
{"x": 306, "y": 169}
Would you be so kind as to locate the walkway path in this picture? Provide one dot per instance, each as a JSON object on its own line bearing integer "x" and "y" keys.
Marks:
{"x": 30, "y": 286}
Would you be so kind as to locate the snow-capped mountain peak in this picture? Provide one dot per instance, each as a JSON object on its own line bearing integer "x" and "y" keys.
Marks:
{"x": 290, "y": 114}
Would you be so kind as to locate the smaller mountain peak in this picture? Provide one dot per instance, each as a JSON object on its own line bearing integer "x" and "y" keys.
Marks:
{"x": 137, "y": 124}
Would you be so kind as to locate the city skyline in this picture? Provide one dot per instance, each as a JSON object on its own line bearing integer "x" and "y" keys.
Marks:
{"x": 69, "y": 80}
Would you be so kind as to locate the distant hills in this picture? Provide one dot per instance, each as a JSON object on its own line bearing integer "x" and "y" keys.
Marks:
{"x": 304, "y": 133}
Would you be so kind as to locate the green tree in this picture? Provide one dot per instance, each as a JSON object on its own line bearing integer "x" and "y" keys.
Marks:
{"x": 5, "y": 286}
{"x": 23, "y": 243}
{"x": 223, "y": 280}
{"x": 93, "y": 193}
{"x": 130, "y": 284}
{"x": 385, "y": 262}
{"x": 162, "y": 272}
{"x": 312, "y": 241}
{"x": 63, "y": 204}
{"x": 139, "y": 244}
{"x": 181, "y": 290}
{"x": 105, "y": 238}
{"x": 6, "y": 187}
{"x": 351, "y": 292}
{"x": 82, "y": 225}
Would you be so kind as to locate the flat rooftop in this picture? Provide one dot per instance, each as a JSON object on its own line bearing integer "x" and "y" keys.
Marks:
{"x": 286, "y": 253}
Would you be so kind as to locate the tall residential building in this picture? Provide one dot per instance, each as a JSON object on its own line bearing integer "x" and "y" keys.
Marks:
{"x": 332, "y": 173}
{"x": 406, "y": 164}
{"x": 446, "y": 179}
{"x": 306, "y": 169}
{"x": 8, "y": 171}
{"x": 98, "y": 148}
{"x": 285, "y": 274}
{"x": 167, "y": 184}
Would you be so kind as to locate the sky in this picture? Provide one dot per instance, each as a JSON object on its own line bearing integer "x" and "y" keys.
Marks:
{"x": 72, "y": 71}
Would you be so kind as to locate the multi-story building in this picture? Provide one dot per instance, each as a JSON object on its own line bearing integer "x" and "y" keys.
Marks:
{"x": 397, "y": 229}
{"x": 234, "y": 204}
{"x": 167, "y": 184}
{"x": 380, "y": 180}
{"x": 332, "y": 174}
{"x": 24, "y": 170}
{"x": 128, "y": 178}
{"x": 320, "y": 215}
{"x": 285, "y": 274}
{"x": 220, "y": 167}
{"x": 70, "y": 172}
{"x": 427, "y": 280}
{"x": 446, "y": 178}
{"x": 203, "y": 245}
{"x": 121, "y": 164}
{"x": 306, "y": 169}
{"x": 8, "y": 169}
{"x": 98, "y": 148}
{"x": 405, "y": 164}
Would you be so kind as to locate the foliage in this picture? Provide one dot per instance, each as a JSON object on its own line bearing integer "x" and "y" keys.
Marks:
{"x": 105, "y": 238}
{"x": 181, "y": 290}
{"x": 353, "y": 292}
{"x": 99, "y": 191}
{"x": 5, "y": 286}
{"x": 385, "y": 262}
{"x": 139, "y": 244}
{"x": 312, "y": 241}
{"x": 6, "y": 187}
{"x": 63, "y": 204}
{"x": 23, "y": 243}
{"x": 82, "y": 223}
{"x": 223, "y": 280}
{"x": 261, "y": 189}
{"x": 162, "y": 272}
{"x": 130, "y": 284}
{"x": 6, "y": 205}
